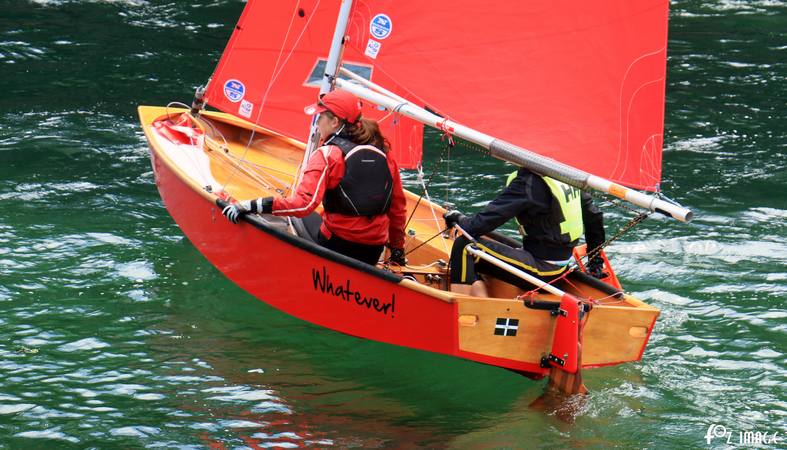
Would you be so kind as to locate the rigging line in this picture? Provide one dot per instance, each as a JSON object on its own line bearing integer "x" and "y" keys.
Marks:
{"x": 198, "y": 169}
{"x": 255, "y": 177}
{"x": 268, "y": 88}
{"x": 286, "y": 59}
{"x": 632, "y": 223}
{"x": 216, "y": 146}
{"x": 426, "y": 241}
{"x": 289, "y": 54}
{"x": 618, "y": 300}
{"x": 176, "y": 104}
{"x": 224, "y": 151}
{"x": 446, "y": 150}
{"x": 264, "y": 179}
{"x": 276, "y": 73}
{"x": 434, "y": 217}
{"x": 533, "y": 292}
{"x": 263, "y": 167}
{"x": 639, "y": 218}
{"x": 423, "y": 266}
{"x": 448, "y": 190}
{"x": 225, "y": 147}
{"x": 472, "y": 146}
{"x": 662, "y": 196}
{"x": 426, "y": 191}
{"x": 421, "y": 179}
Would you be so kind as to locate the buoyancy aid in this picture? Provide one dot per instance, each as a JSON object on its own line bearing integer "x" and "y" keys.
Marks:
{"x": 367, "y": 185}
{"x": 563, "y": 225}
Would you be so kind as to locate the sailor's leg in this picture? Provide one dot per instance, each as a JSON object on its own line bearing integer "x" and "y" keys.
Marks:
{"x": 464, "y": 289}
{"x": 462, "y": 264}
{"x": 517, "y": 257}
{"x": 478, "y": 289}
{"x": 369, "y": 254}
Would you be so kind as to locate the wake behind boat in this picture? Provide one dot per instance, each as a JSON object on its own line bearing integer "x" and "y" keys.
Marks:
{"x": 204, "y": 160}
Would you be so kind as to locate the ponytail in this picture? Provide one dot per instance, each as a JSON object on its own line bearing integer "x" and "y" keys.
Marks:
{"x": 367, "y": 132}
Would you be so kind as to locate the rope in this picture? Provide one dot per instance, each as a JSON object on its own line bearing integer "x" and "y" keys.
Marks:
{"x": 625, "y": 229}
{"x": 639, "y": 218}
{"x": 274, "y": 76}
{"x": 426, "y": 185}
{"x": 449, "y": 145}
{"x": 426, "y": 241}
{"x": 533, "y": 292}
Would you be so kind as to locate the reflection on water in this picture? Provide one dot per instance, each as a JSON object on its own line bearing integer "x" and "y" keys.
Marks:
{"x": 115, "y": 332}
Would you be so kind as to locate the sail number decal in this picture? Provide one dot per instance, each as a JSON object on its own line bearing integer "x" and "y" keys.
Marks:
{"x": 343, "y": 291}
{"x": 234, "y": 90}
{"x": 380, "y": 26}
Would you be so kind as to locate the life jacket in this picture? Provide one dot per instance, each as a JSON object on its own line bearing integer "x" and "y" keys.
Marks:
{"x": 562, "y": 226}
{"x": 367, "y": 185}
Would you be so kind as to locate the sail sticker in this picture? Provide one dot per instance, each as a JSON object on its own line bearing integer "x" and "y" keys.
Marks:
{"x": 372, "y": 48}
{"x": 246, "y": 108}
{"x": 234, "y": 90}
{"x": 506, "y": 326}
{"x": 380, "y": 26}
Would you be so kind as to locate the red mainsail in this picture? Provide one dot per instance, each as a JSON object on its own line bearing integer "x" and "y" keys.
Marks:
{"x": 581, "y": 82}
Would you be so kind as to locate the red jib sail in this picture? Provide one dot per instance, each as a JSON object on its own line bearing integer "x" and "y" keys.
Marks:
{"x": 274, "y": 63}
{"x": 581, "y": 82}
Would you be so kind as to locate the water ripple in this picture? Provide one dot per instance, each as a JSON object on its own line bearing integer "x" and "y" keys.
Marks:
{"x": 51, "y": 433}
{"x": 116, "y": 333}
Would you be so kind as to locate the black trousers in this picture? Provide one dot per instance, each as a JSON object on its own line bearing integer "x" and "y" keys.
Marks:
{"x": 369, "y": 254}
{"x": 465, "y": 268}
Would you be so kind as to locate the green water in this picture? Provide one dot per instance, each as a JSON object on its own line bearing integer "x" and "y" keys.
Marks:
{"x": 116, "y": 333}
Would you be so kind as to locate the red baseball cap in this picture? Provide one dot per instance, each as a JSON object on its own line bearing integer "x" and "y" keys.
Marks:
{"x": 341, "y": 103}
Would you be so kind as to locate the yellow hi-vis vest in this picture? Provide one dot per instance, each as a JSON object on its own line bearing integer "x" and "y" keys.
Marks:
{"x": 568, "y": 198}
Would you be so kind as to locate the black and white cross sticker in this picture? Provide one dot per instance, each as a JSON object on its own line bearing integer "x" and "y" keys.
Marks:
{"x": 506, "y": 326}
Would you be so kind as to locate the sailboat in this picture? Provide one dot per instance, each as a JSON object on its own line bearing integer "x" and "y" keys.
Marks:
{"x": 574, "y": 91}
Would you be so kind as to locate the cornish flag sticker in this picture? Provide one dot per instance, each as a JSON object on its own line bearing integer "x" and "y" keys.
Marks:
{"x": 506, "y": 326}
{"x": 234, "y": 90}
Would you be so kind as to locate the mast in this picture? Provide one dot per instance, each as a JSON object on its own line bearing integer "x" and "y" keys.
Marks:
{"x": 331, "y": 71}
{"x": 514, "y": 154}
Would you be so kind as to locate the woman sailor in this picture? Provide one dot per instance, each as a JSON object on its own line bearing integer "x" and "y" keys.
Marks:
{"x": 358, "y": 183}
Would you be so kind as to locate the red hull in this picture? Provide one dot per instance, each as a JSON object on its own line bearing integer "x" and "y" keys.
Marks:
{"x": 360, "y": 301}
